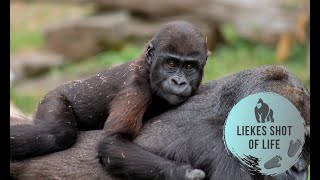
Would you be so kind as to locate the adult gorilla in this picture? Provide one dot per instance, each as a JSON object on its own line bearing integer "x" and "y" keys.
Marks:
{"x": 191, "y": 133}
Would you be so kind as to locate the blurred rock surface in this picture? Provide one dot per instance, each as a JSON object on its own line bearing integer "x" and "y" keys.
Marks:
{"x": 80, "y": 38}
{"x": 262, "y": 20}
{"x": 31, "y": 64}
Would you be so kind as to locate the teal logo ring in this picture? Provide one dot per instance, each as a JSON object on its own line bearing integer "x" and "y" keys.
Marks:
{"x": 265, "y": 131}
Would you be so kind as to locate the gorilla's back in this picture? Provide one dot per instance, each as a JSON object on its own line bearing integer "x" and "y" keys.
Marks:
{"x": 191, "y": 132}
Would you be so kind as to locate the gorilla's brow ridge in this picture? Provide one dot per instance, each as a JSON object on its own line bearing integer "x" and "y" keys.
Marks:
{"x": 179, "y": 57}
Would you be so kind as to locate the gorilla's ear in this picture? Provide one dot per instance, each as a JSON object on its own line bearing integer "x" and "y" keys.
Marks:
{"x": 149, "y": 53}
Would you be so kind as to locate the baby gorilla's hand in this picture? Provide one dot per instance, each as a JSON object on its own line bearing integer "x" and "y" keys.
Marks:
{"x": 195, "y": 174}
{"x": 183, "y": 172}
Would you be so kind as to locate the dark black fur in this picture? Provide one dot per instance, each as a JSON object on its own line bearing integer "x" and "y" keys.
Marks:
{"x": 189, "y": 134}
{"x": 168, "y": 72}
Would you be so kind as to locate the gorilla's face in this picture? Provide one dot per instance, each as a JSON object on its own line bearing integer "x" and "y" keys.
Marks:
{"x": 176, "y": 79}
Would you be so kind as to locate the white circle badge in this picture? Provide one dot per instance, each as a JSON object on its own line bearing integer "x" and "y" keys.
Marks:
{"x": 265, "y": 131}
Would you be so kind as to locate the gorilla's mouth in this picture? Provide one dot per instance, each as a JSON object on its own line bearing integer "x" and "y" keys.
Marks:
{"x": 173, "y": 93}
{"x": 175, "y": 99}
{"x": 172, "y": 97}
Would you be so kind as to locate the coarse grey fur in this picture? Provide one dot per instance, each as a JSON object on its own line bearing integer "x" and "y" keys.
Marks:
{"x": 191, "y": 133}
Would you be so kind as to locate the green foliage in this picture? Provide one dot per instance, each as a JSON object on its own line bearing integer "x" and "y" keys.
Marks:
{"x": 227, "y": 60}
{"x": 21, "y": 39}
{"x": 240, "y": 54}
{"x": 25, "y": 102}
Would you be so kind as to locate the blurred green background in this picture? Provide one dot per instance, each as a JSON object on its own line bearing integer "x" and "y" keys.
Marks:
{"x": 28, "y": 19}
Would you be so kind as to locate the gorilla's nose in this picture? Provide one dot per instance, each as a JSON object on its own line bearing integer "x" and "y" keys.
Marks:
{"x": 178, "y": 81}
{"x": 179, "y": 85}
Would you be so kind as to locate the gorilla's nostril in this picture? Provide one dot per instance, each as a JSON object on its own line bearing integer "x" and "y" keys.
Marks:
{"x": 178, "y": 82}
{"x": 174, "y": 81}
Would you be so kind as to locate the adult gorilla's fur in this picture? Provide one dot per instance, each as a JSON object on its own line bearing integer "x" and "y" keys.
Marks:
{"x": 190, "y": 133}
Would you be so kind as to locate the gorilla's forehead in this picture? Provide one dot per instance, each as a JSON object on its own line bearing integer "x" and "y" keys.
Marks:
{"x": 183, "y": 49}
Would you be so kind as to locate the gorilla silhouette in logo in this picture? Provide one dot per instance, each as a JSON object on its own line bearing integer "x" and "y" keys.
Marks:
{"x": 263, "y": 112}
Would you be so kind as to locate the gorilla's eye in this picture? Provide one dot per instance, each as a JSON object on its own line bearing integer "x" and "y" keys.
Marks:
{"x": 171, "y": 64}
{"x": 189, "y": 66}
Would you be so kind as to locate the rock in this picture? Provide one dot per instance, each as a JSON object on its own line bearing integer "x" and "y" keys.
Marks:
{"x": 152, "y": 8}
{"x": 83, "y": 37}
{"x": 30, "y": 64}
{"x": 78, "y": 38}
{"x": 263, "y": 20}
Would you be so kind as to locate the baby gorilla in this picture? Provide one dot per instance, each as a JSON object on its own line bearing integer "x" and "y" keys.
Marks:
{"x": 118, "y": 101}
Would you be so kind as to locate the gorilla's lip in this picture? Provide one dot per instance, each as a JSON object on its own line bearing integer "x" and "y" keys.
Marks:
{"x": 173, "y": 94}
